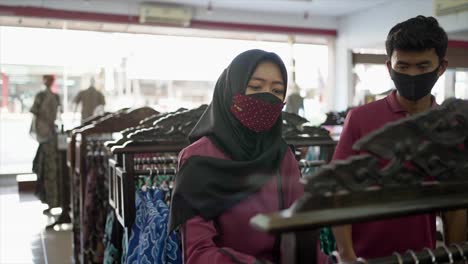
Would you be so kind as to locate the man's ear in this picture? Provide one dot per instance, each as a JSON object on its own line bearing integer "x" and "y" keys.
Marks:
{"x": 389, "y": 65}
{"x": 443, "y": 67}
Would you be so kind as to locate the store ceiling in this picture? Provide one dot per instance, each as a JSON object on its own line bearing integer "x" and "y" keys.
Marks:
{"x": 131, "y": 7}
{"x": 317, "y": 7}
{"x": 320, "y": 7}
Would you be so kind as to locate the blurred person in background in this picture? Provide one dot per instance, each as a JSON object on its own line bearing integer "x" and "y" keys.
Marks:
{"x": 46, "y": 164}
{"x": 295, "y": 102}
{"x": 92, "y": 101}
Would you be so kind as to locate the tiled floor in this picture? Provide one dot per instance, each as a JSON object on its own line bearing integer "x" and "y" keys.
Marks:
{"x": 23, "y": 238}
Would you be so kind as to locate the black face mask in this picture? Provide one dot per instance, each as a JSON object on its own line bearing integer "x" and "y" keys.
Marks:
{"x": 414, "y": 87}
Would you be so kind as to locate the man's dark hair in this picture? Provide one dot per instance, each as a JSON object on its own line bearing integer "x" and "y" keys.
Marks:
{"x": 48, "y": 80}
{"x": 49, "y": 77}
{"x": 417, "y": 34}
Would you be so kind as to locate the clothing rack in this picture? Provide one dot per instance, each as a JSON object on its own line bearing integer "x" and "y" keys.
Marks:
{"x": 168, "y": 134}
{"x": 74, "y": 185}
{"x": 71, "y": 141}
{"x": 298, "y": 134}
{"x": 454, "y": 253}
{"x": 357, "y": 190}
{"x": 122, "y": 187}
{"x": 156, "y": 172}
{"x": 97, "y": 129}
{"x": 335, "y": 118}
{"x": 71, "y": 144}
{"x": 116, "y": 160}
{"x": 145, "y": 123}
{"x": 145, "y": 161}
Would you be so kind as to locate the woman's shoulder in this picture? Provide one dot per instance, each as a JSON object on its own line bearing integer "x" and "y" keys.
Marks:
{"x": 202, "y": 147}
{"x": 289, "y": 154}
{"x": 289, "y": 160}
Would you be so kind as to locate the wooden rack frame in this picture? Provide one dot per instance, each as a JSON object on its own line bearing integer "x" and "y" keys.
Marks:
{"x": 107, "y": 124}
{"x": 123, "y": 177}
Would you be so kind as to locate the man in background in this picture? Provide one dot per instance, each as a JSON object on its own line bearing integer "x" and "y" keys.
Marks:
{"x": 295, "y": 102}
{"x": 91, "y": 100}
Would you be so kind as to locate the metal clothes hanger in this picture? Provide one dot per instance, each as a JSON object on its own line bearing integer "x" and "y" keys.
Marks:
{"x": 460, "y": 250}
{"x": 433, "y": 258}
{"x": 400, "y": 259}
{"x": 448, "y": 253}
{"x": 413, "y": 255}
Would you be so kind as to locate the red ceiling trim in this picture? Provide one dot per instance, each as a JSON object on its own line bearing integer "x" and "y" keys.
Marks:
{"x": 23, "y": 11}
{"x": 458, "y": 44}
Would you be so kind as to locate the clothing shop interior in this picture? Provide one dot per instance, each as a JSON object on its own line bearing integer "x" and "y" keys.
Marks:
{"x": 233, "y": 131}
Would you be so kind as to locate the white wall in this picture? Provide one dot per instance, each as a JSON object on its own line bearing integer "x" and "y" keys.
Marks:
{"x": 369, "y": 29}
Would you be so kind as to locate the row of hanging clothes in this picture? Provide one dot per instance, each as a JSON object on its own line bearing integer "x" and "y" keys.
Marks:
{"x": 76, "y": 157}
{"x": 89, "y": 214}
{"x": 138, "y": 233}
{"x": 96, "y": 201}
{"x": 148, "y": 239}
{"x": 87, "y": 158}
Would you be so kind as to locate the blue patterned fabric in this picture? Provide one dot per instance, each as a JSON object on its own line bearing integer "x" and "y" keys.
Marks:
{"x": 112, "y": 241}
{"x": 133, "y": 243}
{"x": 150, "y": 242}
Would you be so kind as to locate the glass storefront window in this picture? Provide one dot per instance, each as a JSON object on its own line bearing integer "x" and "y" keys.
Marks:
{"x": 131, "y": 70}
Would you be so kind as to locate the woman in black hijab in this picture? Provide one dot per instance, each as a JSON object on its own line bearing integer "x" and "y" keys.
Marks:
{"x": 237, "y": 166}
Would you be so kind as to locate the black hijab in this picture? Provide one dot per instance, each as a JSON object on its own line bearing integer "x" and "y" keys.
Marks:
{"x": 208, "y": 186}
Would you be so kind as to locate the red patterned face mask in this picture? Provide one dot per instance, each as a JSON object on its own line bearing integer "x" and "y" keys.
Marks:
{"x": 258, "y": 112}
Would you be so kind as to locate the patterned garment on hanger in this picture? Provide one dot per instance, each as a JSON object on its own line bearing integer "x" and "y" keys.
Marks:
{"x": 150, "y": 241}
{"x": 76, "y": 218}
{"x": 113, "y": 240}
{"x": 94, "y": 215}
{"x": 327, "y": 241}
